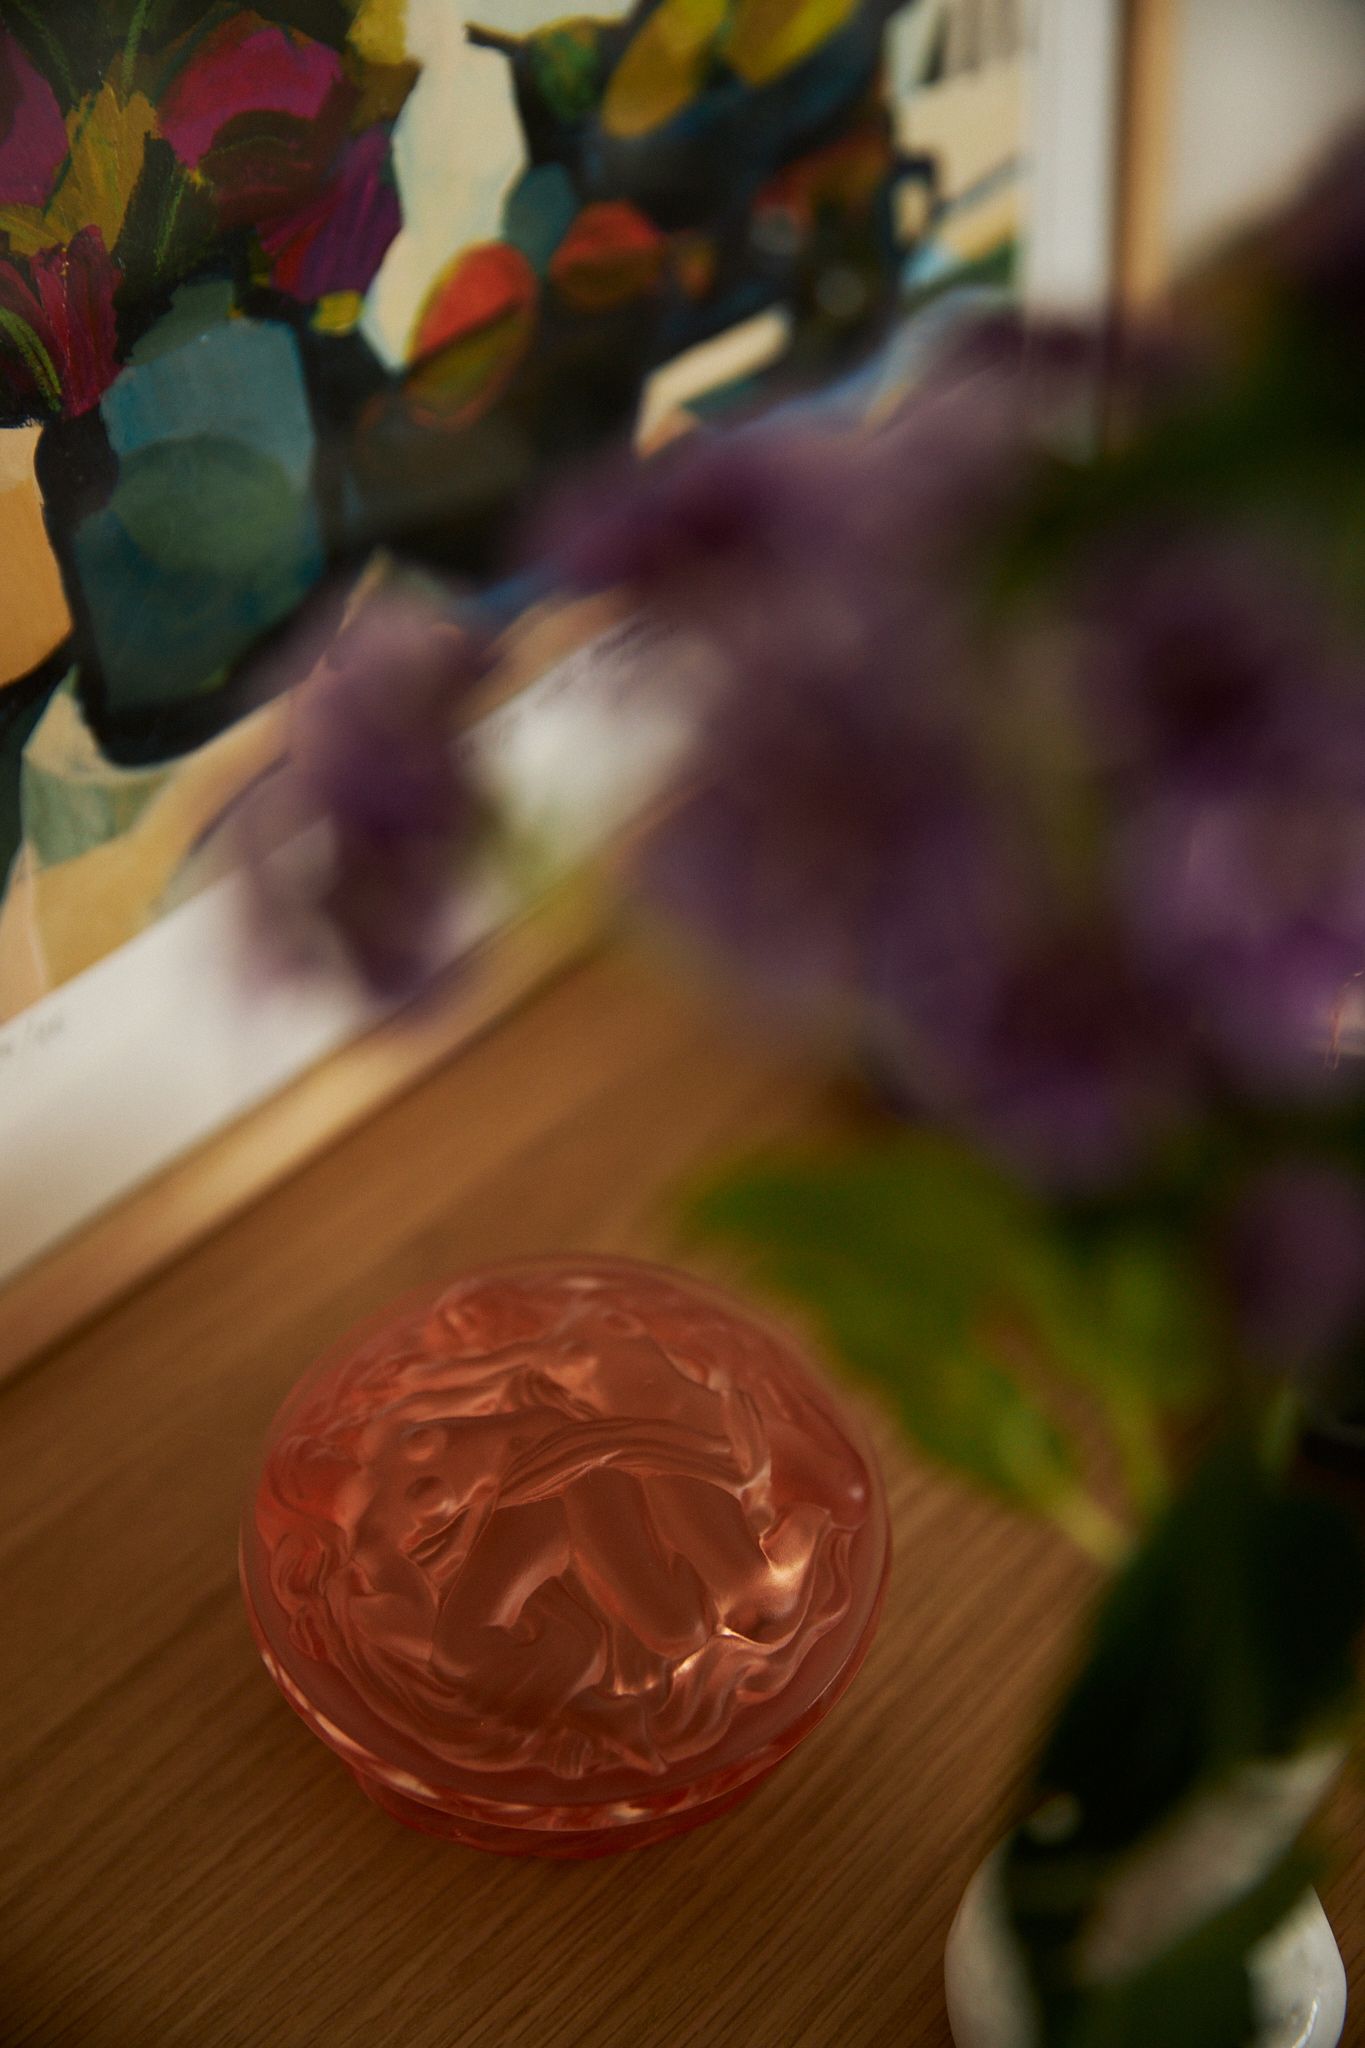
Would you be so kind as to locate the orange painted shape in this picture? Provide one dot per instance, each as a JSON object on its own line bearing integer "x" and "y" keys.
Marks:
{"x": 610, "y": 255}
{"x": 34, "y": 619}
{"x": 483, "y": 285}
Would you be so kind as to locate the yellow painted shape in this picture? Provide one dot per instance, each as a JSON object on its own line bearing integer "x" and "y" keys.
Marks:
{"x": 25, "y": 230}
{"x": 83, "y": 909}
{"x": 108, "y": 143}
{"x": 72, "y": 776}
{"x": 768, "y": 37}
{"x": 971, "y": 124}
{"x": 338, "y": 312}
{"x": 987, "y": 228}
{"x": 662, "y": 67}
{"x": 379, "y": 32}
{"x": 23, "y": 974}
{"x": 34, "y": 619}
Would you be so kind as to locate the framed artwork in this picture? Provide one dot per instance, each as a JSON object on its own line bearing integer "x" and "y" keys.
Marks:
{"x": 287, "y": 284}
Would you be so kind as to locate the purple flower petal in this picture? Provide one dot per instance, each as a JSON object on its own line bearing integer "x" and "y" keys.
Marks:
{"x": 1083, "y": 1075}
{"x": 1209, "y": 654}
{"x": 373, "y": 758}
{"x": 1249, "y": 906}
{"x": 844, "y": 843}
{"x": 1295, "y": 1258}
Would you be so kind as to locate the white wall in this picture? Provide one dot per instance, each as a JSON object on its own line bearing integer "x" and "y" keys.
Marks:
{"x": 1262, "y": 85}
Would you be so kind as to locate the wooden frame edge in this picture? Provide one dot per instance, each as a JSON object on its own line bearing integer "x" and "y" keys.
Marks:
{"x": 1151, "y": 33}
{"x": 149, "y": 1228}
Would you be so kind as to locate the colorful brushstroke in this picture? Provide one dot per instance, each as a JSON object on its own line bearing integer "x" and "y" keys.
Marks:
{"x": 198, "y": 208}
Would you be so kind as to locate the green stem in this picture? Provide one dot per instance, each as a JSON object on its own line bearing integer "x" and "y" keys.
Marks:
{"x": 35, "y": 355}
{"x": 1091, "y": 1527}
{"x": 54, "y": 48}
{"x": 135, "y": 33}
{"x": 171, "y": 216}
{"x": 1280, "y": 1428}
{"x": 82, "y": 117}
{"x": 1146, "y": 1469}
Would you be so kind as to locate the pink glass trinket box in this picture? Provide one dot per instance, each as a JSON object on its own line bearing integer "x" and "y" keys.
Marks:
{"x": 565, "y": 1558}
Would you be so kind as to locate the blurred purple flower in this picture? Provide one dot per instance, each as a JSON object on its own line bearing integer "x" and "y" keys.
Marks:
{"x": 781, "y": 856}
{"x": 1209, "y": 655}
{"x": 1232, "y": 728}
{"x": 832, "y": 672}
{"x": 825, "y": 566}
{"x": 1074, "y": 1074}
{"x": 757, "y": 542}
{"x": 1249, "y": 905}
{"x": 833, "y": 684}
{"x": 876, "y": 885}
{"x": 717, "y": 515}
{"x": 900, "y": 897}
{"x": 373, "y": 758}
{"x": 1054, "y": 936}
{"x": 844, "y": 841}
{"x": 1295, "y": 1259}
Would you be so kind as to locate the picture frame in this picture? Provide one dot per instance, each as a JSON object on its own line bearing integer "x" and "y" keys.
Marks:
{"x": 146, "y": 1098}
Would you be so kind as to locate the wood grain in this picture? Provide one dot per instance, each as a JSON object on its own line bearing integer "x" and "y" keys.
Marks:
{"x": 98, "y": 1264}
{"x": 183, "y": 1866}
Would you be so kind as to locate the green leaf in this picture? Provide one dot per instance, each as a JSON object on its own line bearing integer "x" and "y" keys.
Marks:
{"x": 109, "y": 136}
{"x": 46, "y": 45}
{"x": 921, "y": 1269}
{"x": 1147, "y": 1331}
{"x": 1227, "y": 1639}
{"x": 950, "y": 1287}
{"x": 566, "y": 60}
{"x": 1133, "y": 1325}
{"x": 169, "y": 228}
{"x": 34, "y": 356}
{"x": 1197, "y": 1993}
{"x": 1226, "y": 1642}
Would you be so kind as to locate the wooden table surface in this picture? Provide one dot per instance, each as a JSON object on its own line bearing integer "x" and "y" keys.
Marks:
{"x": 182, "y": 1863}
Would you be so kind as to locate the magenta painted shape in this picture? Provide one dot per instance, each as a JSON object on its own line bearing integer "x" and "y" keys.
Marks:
{"x": 245, "y": 67}
{"x": 65, "y": 298}
{"x": 338, "y": 239}
{"x": 566, "y": 1558}
{"x": 33, "y": 141}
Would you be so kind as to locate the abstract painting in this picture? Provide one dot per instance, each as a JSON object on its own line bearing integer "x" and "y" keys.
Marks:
{"x": 284, "y": 285}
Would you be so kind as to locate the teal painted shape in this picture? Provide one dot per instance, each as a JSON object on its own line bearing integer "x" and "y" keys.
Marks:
{"x": 205, "y": 505}
{"x": 73, "y": 799}
{"x": 242, "y": 381}
{"x": 195, "y": 308}
{"x": 211, "y": 536}
{"x": 167, "y": 634}
{"x": 538, "y": 213}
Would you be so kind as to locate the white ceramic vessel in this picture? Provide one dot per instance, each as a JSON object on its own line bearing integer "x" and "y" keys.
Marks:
{"x": 1298, "y": 1981}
